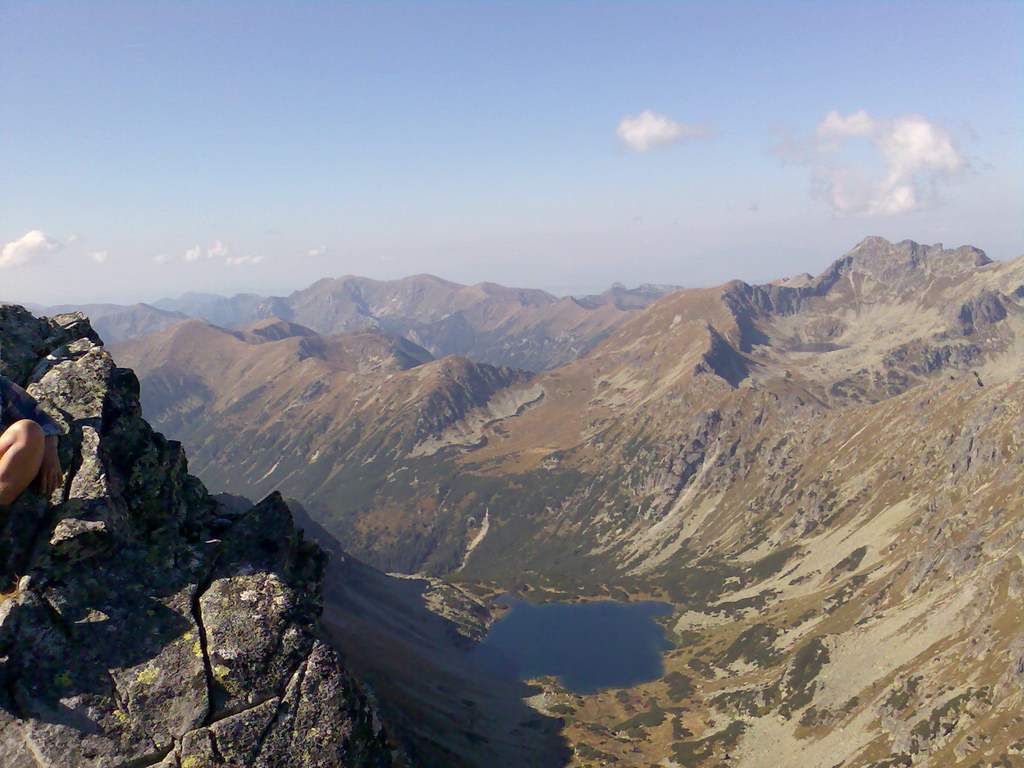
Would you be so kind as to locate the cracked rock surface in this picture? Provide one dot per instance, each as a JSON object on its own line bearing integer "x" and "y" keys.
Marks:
{"x": 142, "y": 624}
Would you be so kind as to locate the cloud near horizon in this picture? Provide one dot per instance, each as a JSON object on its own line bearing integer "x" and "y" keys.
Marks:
{"x": 915, "y": 156}
{"x": 235, "y": 261}
{"x": 30, "y": 246}
{"x": 650, "y": 130}
{"x": 219, "y": 251}
{"x": 100, "y": 257}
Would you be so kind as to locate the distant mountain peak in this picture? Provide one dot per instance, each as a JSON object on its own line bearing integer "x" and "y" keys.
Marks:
{"x": 627, "y": 298}
{"x": 275, "y": 329}
{"x": 888, "y": 262}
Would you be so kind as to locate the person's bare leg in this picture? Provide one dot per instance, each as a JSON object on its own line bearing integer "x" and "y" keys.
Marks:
{"x": 21, "y": 454}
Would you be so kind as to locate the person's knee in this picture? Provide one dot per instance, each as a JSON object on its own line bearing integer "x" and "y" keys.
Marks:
{"x": 27, "y": 433}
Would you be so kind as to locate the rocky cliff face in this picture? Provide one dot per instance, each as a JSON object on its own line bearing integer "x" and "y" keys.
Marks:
{"x": 143, "y": 624}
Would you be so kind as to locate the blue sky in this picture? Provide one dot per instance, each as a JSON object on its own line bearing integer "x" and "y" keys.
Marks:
{"x": 150, "y": 148}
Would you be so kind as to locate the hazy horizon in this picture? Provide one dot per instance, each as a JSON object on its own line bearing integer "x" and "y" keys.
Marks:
{"x": 150, "y": 149}
{"x": 129, "y": 299}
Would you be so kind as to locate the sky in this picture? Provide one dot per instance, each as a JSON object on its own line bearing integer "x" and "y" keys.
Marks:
{"x": 153, "y": 148}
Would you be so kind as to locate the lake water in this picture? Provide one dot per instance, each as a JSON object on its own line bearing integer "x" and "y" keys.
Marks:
{"x": 588, "y": 646}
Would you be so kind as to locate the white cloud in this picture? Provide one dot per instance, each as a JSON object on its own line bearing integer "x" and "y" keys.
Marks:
{"x": 32, "y": 245}
{"x": 236, "y": 261}
{"x": 219, "y": 251}
{"x": 216, "y": 251}
{"x": 161, "y": 259}
{"x": 320, "y": 250}
{"x": 860, "y": 123}
{"x": 912, "y": 154}
{"x": 100, "y": 257}
{"x": 649, "y": 130}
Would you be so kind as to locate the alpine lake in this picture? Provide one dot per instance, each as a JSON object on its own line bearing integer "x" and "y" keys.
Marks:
{"x": 588, "y": 646}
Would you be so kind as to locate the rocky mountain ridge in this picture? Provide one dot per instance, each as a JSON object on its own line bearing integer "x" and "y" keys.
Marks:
{"x": 143, "y": 624}
{"x": 803, "y": 472}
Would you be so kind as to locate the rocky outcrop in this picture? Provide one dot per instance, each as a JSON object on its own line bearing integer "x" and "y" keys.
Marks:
{"x": 143, "y": 623}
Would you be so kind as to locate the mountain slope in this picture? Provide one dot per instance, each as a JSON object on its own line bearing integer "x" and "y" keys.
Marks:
{"x": 409, "y": 637}
{"x": 215, "y": 309}
{"x": 485, "y": 322}
{"x": 821, "y": 474}
{"x": 334, "y": 412}
{"x": 824, "y": 480}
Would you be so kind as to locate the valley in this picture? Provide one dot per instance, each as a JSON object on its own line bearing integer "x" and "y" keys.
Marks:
{"x": 821, "y": 475}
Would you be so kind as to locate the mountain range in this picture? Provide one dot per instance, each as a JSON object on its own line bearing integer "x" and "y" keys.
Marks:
{"x": 822, "y": 475}
{"x": 144, "y": 622}
{"x": 487, "y": 322}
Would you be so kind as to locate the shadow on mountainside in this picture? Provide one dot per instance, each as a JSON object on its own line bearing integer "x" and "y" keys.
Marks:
{"x": 452, "y": 714}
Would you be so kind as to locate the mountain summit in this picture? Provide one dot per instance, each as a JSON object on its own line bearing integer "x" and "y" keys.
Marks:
{"x": 889, "y": 262}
